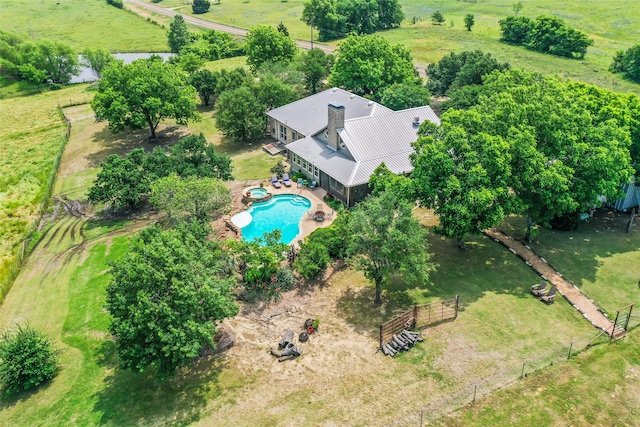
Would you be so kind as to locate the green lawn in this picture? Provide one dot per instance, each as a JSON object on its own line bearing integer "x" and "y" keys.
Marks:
{"x": 598, "y": 387}
{"x": 600, "y": 257}
{"x": 83, "y": 24}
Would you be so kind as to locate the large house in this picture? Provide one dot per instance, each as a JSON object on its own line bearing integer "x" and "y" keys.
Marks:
{"x": 338, "y": 139}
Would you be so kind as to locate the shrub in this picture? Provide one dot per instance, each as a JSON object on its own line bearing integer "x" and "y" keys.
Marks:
{"x": 27, "y": 358}
{"x": 200, "y": 6}
{"x": 285, "y": 279}
{"x": 278, "y": 169}
{"x": 116, "y": 3}
{"x": 332, "y": 237}
{"x": 313, "y": 259}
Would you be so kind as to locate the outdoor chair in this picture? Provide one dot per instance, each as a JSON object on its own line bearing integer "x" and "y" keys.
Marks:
{"x": 313, "y": 184}
{"x": 285, "y": 180}
{"x": 539, "y": 289}
{"x": 275, "y": 181}
{"x": 548, "y": 298}
{"x": 320, "y": 207}
{"x": 311, "y": 214}
{"x": 330, "y": 214}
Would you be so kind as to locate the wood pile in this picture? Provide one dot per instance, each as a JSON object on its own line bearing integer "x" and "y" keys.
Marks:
{"x": 400, "y": 342}
{"x": 287, "y": 350}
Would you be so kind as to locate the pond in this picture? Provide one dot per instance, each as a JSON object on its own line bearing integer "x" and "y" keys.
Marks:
{"x": 87, "y": 75}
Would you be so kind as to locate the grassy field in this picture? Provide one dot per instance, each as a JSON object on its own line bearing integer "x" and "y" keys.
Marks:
{"x": 83, "y": 24}
{"x": 609, "y": 23}
{"x": 32, "y": 134}
{"x": 599, "y": 387}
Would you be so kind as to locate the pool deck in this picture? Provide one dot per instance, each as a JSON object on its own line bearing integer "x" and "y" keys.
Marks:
{"x": 307, "y": 224}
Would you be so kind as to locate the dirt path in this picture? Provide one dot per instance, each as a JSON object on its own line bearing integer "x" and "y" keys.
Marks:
{"x": 577, "y": 299}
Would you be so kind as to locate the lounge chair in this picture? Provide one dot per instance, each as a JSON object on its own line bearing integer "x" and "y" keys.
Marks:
{"x": 320, "y": 207}
{"x": 285, "y": 180}
{"x": 275, "y": 182}
{"x": 313, "y": 184}
{"x": 548, "y": 298}
{"x": 539, "y": 289}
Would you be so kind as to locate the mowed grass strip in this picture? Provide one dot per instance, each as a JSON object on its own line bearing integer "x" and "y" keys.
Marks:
{"x": 32, "y": 134}
{"x": 83, "y": 24}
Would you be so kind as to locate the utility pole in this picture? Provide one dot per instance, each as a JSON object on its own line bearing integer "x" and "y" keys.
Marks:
{"x": 312, "y": 36}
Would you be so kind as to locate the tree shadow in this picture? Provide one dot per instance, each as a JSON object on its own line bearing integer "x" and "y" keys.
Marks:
{"x": 124, "y": 142}
{"x": 8, "y": 400}
{"x": 128, "y": 398}
{"x": 232, "y": 148}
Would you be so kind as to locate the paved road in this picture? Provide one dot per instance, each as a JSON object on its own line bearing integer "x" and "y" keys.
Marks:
{"x": 234, "y": 30}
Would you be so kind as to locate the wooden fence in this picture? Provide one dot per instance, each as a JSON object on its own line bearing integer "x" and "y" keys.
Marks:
{"x": 419, "y": 317}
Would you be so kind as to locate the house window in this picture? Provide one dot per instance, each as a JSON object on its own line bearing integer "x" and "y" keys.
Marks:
{"x": 326, "y": 135}
{"x": 304, "y": 164}
{"x": 294, "y": 135}
{"x": 316, "y": 172}
{"x": 283, "y": 133}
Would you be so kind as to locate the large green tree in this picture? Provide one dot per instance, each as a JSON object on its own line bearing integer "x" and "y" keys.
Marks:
{"x": 390, "y": 14}
{"x": 27, "y": 358}
{"x": 58, "y": 62}
{"x": 464, "y": 177}
{"x": 315, "y": 65}
{"x": 240, "y": 114}
{"x": 385, "y": 239}
{"x": 368, "y": 64}
{"x": 627, "y": 62}
{"x": 144, "y": 93}
{"x": 205, "y": 82}
{"x": 178, "y": 36}
{"x": 192, "y": 197}
{"x": 273, "y": 92}
{"x": 165, "y": 298}
{"x": 461, "y": 69}
{"x": 97, "y": 59}
{"x": 570, "y": 142}
{"x": 266, "y": 44}
{"x": 401, "y": 96}
{"x": 122, "y": 181}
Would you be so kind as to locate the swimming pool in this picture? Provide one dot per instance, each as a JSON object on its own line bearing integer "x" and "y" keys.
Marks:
{"x": 280, "y": 212}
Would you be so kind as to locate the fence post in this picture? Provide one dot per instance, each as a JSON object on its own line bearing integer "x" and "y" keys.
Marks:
{"x": 570, "y": 347}
{"x": 522, "y": 374}
{"x": 457, "y": 305}
{"x": 415, "y": 316}
{"x": 475, "y": 389}
{"x": 380, "y": 336}
{"x": 442, "y": 311}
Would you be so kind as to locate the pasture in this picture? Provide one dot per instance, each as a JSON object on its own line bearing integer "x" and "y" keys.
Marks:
{"x": 608, "y": 23}
{"x": 83, "y": 24}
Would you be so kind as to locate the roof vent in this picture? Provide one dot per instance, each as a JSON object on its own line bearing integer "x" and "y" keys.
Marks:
{"x": 369, "y": 104}
{"x": 335, "y": 89}
{"x": 416, "y": 121}
{"x": 352, "y": 96}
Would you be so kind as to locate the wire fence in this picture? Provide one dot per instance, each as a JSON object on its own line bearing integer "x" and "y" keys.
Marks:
{"x": 473, "y": 390}
{"x": 12, "y": 267}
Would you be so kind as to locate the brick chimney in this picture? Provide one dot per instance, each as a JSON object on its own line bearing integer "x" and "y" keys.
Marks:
{"x": 335, "y": 122}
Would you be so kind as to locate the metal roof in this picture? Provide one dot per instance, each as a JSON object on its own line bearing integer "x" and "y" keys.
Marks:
{"x": 383, "y": 135}
{"x": 308, "y": 116}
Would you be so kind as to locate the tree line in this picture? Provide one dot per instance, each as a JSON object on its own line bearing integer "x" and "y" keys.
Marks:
{"x": 545, "y": 34}
{"x": 336, "y": 18}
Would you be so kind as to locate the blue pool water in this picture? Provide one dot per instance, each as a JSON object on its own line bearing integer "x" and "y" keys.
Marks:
{"x": 281, "y": 212}
{"x": 256, "y": 193}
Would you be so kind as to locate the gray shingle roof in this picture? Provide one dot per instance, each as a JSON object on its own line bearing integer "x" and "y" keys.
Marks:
{"x": 382, "y": 135}
{"x": 309, "y": 115}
